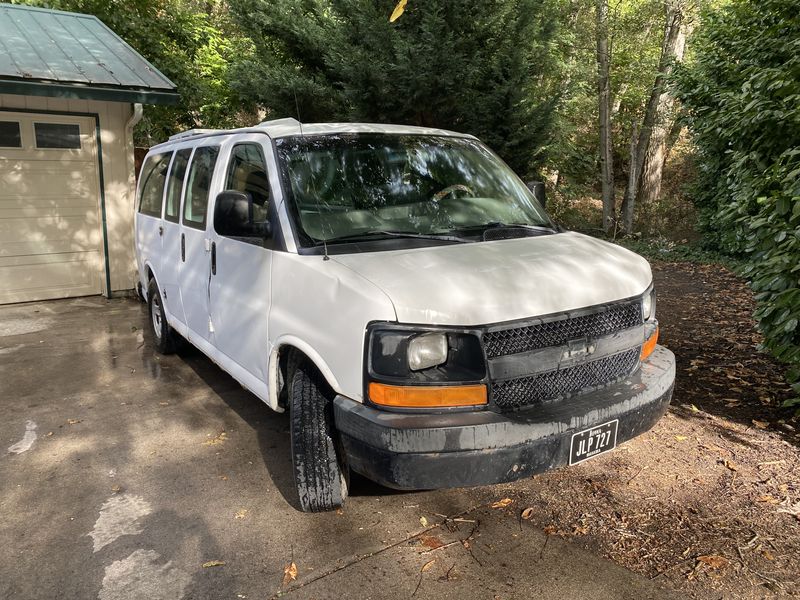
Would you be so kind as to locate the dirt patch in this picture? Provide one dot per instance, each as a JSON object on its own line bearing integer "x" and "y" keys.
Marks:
{"x": 709, "y": 501}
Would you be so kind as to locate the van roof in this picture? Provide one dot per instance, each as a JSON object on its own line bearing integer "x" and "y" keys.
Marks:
{"x": 279, "y": 128}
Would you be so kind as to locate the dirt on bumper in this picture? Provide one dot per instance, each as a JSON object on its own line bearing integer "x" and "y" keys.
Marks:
{"x": 427, "y": 451}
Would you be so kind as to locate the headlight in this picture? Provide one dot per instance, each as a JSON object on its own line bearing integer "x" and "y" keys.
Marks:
{"x": 427, "y": 350}
{"x": 407, "y": 354}
{"x": 649, "y": 305}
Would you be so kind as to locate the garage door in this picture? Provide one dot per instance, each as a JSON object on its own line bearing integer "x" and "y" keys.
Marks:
{"x": 51, "y": 238}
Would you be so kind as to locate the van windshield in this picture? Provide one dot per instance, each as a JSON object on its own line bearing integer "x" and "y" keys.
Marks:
{"x": 345, "y": 187}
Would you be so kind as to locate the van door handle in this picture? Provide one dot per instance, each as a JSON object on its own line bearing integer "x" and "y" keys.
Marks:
{"x": 213, "y": 258}
{"x": 160, "y": 230}
{"x": 183, "y": 247}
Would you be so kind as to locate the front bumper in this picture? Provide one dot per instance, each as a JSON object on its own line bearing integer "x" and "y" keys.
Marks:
{"x": 458, "y": 449}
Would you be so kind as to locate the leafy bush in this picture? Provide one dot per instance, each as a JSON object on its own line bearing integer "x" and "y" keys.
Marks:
{"x": 742, "y": 93}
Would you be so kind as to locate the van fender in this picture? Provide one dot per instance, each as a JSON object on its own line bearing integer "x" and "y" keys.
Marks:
{"x": 147, "y": 266}
{"x": 284, "y": 342}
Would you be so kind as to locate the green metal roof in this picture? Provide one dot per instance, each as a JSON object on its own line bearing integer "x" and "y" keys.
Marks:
{"x": 54, "y": 53}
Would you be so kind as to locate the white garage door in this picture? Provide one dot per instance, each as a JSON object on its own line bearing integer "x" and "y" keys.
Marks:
{"x": 51, "y": 239}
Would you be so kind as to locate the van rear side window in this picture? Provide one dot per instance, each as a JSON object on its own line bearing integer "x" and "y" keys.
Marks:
{"x": 177, "y": 174}
{"x": 154, "y": 174}
{"x": 198, "y": 185}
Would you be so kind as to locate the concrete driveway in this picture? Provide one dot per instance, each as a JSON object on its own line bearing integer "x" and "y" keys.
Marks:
{"x": 125, "y": 474}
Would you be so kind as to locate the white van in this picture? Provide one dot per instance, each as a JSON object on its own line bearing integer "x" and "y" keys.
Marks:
{"x": 404, "y": 296}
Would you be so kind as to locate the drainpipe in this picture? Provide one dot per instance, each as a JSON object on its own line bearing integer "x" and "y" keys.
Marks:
{"x": 138, "y": 111}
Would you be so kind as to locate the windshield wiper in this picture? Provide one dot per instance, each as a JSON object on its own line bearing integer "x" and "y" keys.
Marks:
{"x": 369, "y": 235}
{"x": 545, "y": 229}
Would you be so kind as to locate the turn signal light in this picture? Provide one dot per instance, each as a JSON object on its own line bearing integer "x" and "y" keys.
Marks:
{"x": 649, "y": 345}
{"x": 427, "y": 396}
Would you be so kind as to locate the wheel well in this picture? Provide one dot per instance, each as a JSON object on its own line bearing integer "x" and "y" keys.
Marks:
{"x": 288, "y": 356}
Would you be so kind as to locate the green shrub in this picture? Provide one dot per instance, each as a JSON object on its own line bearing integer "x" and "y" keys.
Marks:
{"x": 742, "y": 94}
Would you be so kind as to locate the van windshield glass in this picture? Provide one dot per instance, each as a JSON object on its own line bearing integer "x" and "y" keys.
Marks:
{"x": 351, "y": 186}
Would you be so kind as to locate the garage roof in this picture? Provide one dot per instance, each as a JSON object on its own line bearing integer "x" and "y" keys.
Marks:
{"x": 54, "y": 53}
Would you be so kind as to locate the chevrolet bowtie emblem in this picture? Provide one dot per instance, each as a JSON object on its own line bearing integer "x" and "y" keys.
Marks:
{"x": 578, "y": 348}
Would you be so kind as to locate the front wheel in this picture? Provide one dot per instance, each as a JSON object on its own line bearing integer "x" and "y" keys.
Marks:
{"x": 320, "y": 471}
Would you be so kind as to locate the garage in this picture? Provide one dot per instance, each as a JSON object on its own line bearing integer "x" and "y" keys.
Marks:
{"x": 51, "y": 242}
{"x": 71, "y": 92}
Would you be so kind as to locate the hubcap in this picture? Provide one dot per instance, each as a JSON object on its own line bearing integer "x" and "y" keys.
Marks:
{"x": 155, "y": 311}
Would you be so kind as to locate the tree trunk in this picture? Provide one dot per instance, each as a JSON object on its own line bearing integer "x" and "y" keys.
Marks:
{"x": 650, "y": 187}
{"x": 672, "y": 36}
{"x": 604, "y": 101}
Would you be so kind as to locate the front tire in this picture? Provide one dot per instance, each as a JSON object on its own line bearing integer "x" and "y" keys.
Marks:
{"x": 320, "y": 471}
{"x": 164, "y": 337}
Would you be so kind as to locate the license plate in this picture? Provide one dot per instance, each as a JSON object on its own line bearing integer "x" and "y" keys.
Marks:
{"x": 591, "y": 442}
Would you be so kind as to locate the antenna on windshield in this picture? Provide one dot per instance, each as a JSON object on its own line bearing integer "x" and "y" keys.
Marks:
{"x": 316, "y": 196}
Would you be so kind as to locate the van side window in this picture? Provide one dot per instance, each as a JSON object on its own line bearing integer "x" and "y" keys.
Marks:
{"x": 198, "y": 185}
{"x": 247, "y": 172}
{"x": 154, "y": 173}
{"x": 172, "y": 204}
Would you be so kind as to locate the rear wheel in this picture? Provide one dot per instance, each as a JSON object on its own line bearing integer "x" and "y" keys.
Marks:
{"x": 320, "y": 470}
{"x": 165, "y": 338}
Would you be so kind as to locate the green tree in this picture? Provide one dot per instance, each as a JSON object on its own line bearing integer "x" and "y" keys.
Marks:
{"x": 485, "y": 68}
{"x": 742, "y": 93}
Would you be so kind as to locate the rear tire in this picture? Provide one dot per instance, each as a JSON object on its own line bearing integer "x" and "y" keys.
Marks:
{"x": 165, "y": 339}
{"x": 321, "y": 474}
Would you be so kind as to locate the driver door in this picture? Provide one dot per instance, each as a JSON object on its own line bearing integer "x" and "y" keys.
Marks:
{"x": 240, "y": 286}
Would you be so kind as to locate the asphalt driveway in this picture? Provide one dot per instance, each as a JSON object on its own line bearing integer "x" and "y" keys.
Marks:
{"x": 125, "y": 474}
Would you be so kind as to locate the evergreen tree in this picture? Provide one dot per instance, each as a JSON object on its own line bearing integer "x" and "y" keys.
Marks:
{"x": 485, "y": 68}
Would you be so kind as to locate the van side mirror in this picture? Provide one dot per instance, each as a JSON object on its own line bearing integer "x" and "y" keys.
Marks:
{"x": 233, "y": 216}
{"x": 537, "y": 189}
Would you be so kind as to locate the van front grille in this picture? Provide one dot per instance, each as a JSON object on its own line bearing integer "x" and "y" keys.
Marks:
{"x": 607, "y": 320}
{"x": 533, "y": 390}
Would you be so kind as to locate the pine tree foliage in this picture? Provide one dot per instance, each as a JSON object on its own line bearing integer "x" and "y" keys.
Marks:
{"x": 485, "y": 68}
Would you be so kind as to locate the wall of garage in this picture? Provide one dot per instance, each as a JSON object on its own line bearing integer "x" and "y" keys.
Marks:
{"x": 118, "y": 176}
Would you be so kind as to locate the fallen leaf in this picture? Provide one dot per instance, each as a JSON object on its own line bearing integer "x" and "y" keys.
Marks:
{"x": 768, "y": 499}
{"x": 502, "y": 503}
{"x": 580, "y": 529}
{"x": 713, "y": 560}
{"x": 116, "y": 489}
{"x": 241, "y": 514}
{"x": 527, "y": 513}
{"x": 695, "y": 409}
{"x": 427, "y": 565}
{"x": 73, "y": 421}
{"x": 760, "y": 424}
{"x": 289, "y": 573}
{"x": 551, "y": 530}
{"x": 217, "y": 440}
{"x": 49, "y": 433}
{"x": 431, "y": 541}
{"x": 214, "y": 563}
{"x": 731, "y": 465}
{"x": 423, "y": 521}
{"x": 767, "y": 554}
{"x": 681, "y": 438}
